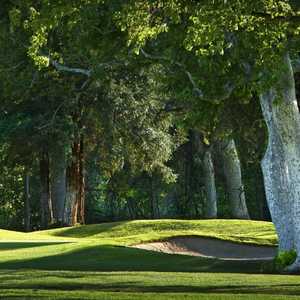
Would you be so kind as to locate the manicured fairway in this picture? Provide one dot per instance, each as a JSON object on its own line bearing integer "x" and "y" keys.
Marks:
{"x": 146, "y": 285}
{"x": 92, "y": 262}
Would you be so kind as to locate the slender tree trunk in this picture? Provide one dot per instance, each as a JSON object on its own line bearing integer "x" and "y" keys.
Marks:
{"x": 281, "y": 164}
{"x": 131, "y": 208}
{"x": 58, "y": 184}
{"x": 153, "y": 199}
{"x": 81, "y": 184}
{"x": 111, "y": 202}
{"x": 45, "y": 197}
{"x": 27, "y": 212}
{"x": 233, "y": 178}
{"x": 211, "y": 210}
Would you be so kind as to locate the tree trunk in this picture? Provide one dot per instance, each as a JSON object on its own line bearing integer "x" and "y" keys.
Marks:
{"x": 45, "y": 197}
{"x": 131, "y": 209}
{"x": 81, "y": 185}
{"x": 71, "y": 202}
{"x": 27, "y": 212}
{"x": 154, "y": 207}
{"x": 75, "y": 194}
{"x": 233, "y": 178}
{"x": 204, "y": 152}
{"x": 281, "y": 164}
{"x": 211, "y": 210}
{"x": 58, "y": 184}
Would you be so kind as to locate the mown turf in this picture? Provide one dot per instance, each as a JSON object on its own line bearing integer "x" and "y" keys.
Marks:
{"x": 125, "y": 233}
{"x": 145, "y": 285}
{"x": 91, "y": 262}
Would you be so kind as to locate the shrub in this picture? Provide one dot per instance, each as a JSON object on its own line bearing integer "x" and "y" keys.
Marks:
{"x": 284, "y": 259}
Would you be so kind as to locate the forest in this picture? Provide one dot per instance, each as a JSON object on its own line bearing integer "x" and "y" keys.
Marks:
{"x": 122, "y": 110}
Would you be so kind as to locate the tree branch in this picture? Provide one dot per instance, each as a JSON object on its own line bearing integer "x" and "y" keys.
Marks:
{"x": 229, "y": 87}
{"x": 181, "y": 66}
{"x": 86, "y": 72}
{"x": 63, "y": 68}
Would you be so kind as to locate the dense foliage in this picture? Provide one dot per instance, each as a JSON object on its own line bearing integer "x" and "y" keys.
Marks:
{"x": 110, "y": 108}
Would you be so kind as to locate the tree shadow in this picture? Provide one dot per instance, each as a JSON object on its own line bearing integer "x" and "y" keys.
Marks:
{"x": 141, "y": 287}
{"x": 118, "y": 258}
{"x": 4, "y": 246}
{"x": 87, "y": 230}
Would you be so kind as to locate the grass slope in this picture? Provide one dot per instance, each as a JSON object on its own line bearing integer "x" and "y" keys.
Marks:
{"x": 7, "y": 235}
{"x": 91, "y": 262}
{"x": 126, "y": 233}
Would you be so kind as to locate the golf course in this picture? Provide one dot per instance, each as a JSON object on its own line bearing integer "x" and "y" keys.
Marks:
{"x": 99, "y": 262}
{"x": 150, "y": 150}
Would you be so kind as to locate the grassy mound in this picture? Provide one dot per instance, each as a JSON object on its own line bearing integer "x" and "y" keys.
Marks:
{"x": 126, "y": 233}
{"x": 101, "y": 247}
{"x": 11, "y": 235}
{"x": 91, "y": 262}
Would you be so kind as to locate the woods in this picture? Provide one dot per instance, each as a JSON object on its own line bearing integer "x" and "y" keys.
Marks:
{"x": 122, "y": 110}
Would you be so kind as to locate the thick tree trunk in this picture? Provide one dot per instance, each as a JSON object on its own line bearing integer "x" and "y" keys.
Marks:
{"x": 233, "y": 178}
{"x": 281, "y": 164}
{"x": 27, "y": 209}
{"x": 71, "y": 202}
{"x": 204, "y": 153}
{"x": 58, "y": 184}
{"x": 45, "y": 197}
{"x": 75, "y": 195}
{"x": 274, "y": 168}
{"x": 211, "y": 210}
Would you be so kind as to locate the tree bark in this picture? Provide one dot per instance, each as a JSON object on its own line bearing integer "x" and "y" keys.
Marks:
{"x": 27, "y": 209}
{"x": 154, "y": 206}
{"x": 58, "y": 184}
{"x": 75, "y": 193}
{"x": 211, "y": 211}
{"x": 233, "y": 178}
{"x": 71, "y": 204}
{"x": 204, "y": 152}
{"x": 45, "y": 197}
{"x": 281, "y": 163}
{"x": 81, "y": 184}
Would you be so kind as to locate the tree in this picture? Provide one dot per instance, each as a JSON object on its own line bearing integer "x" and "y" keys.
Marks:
{"x": 84, "y": 71}
{"x": 247, "y": 46}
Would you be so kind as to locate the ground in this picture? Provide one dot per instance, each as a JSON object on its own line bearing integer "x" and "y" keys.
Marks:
{"x": 94, "y": 262}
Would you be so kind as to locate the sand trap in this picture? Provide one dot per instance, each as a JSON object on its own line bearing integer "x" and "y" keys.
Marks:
{"x": 212, "y": 248}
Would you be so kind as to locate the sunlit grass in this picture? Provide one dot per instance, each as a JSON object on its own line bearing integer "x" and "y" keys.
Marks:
{"x": 92, "y": 262}
{"x": 126, "y": 233}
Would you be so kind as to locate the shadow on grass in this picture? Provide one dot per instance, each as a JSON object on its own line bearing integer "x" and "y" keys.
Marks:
{"x": 22, "y": 245}
{"x": 117, "y": 258}
{"x": 87, "y": 230}
{"x": 140, "y": 287}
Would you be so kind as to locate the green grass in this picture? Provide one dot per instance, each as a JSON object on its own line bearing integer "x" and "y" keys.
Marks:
{"x": 146, "y": 285}
{"x": 126, "y": 233}
{"x": 92, "y": 262}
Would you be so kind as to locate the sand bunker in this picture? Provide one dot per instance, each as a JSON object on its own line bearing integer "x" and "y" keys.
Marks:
{"x": 212, "y": 248}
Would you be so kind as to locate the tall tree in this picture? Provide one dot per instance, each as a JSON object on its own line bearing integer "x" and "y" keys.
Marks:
{"x": 251, "y": 44}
